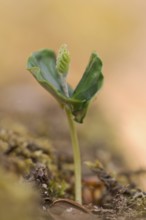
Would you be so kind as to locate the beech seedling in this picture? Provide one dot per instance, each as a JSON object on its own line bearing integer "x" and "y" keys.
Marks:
{"x": 51, "y": 73}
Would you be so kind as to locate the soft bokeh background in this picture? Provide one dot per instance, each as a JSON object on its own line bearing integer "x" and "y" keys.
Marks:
{"x": 115, "y": 29}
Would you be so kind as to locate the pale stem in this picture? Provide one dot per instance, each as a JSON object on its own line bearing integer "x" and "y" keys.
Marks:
{"x": 77, "y": 159}
{"x": 75, "y": 145}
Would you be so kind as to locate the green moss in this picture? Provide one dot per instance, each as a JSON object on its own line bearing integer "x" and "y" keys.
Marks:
{"x": 23, "y": 151}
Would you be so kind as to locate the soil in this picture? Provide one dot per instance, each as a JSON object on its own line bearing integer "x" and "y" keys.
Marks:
{"x": 37, "y": 177}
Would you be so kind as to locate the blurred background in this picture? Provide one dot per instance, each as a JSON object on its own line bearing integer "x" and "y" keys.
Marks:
{"x": 115, "y": 29}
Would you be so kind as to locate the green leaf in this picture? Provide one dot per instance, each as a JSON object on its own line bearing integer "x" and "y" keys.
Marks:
{"x": 42, "y": 65}
{"x": 88, "y": 86}
{"x": 91, "y": 81}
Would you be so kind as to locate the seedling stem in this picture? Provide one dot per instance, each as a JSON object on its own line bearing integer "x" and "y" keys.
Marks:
{"x": 76, "y": 153}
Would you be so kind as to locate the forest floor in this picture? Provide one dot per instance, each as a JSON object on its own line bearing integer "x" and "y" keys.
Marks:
{"x": 37, "y": 176}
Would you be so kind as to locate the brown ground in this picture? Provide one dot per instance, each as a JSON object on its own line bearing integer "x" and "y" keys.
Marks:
{"x": 37, "y": 173}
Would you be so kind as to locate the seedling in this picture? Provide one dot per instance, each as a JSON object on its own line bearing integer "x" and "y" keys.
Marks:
{"x": 51, "y": 73}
